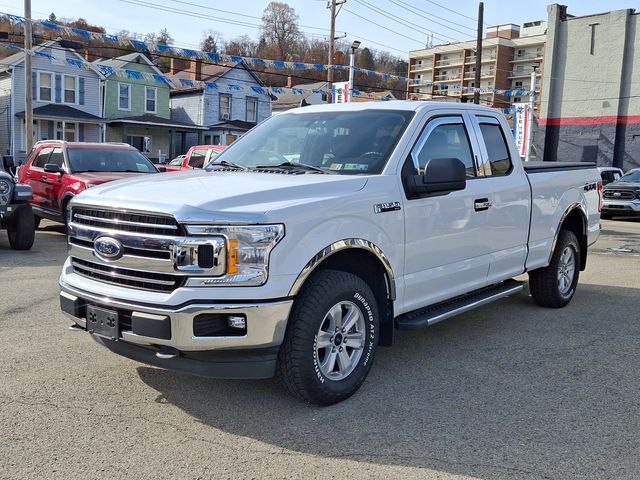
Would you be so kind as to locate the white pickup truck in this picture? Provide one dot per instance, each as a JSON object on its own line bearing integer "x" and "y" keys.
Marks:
{"x": 319, "y": 232}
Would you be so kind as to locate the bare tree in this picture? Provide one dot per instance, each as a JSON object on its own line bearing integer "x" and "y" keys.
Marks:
{"x": 280, "y": 29}
{"x": 242, "y": 46}
{"x": 211, "y": 40}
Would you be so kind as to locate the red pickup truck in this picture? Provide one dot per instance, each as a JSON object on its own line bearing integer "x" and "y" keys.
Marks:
{"x": 197, "y": 157}
{"x": 57, "y": 171}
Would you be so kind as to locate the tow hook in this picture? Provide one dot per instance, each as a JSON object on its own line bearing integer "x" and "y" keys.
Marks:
{"x": 76, "y": 328}
{"x": 167, "y": 353}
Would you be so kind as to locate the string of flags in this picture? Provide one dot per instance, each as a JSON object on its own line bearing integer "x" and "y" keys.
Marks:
{"x": 151, "y": 48}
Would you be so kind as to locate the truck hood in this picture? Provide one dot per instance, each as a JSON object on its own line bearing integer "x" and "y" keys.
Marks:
{"x": 98, "y": 178}
{"x": 224, "y": 197}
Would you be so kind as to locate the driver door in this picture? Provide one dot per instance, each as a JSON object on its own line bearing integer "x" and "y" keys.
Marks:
{"x": 447, "y": 235}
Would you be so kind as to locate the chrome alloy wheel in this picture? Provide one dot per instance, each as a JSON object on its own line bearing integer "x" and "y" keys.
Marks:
{"x": 340, "y": 340}
{"x": 566, "y": 270}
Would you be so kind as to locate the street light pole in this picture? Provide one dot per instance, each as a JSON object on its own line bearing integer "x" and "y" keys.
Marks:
{"x": 352, "y": 65}
{"x": 28, "y": 95}
{"x": 531, "y": 116}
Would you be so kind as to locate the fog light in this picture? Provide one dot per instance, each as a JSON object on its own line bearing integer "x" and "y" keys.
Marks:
{"x": 237, "y": 322}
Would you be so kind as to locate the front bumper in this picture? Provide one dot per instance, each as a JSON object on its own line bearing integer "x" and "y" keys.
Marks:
{"x": 154, "y": 329}
{"x": 621, "y": 207}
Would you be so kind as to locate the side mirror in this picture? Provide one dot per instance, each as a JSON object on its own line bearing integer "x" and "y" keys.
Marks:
{"x": 52, "y": 168}
{"x": 161, "y": 169}
{"x": 441, "y": 175}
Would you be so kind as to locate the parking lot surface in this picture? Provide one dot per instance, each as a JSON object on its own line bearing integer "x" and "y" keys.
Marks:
{"x": 509, "y": 391}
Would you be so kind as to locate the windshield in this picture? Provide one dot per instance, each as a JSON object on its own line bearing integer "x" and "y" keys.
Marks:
{"x": 104, "y": 160}
{"x": 632, "y": 177}
{"x": 345, "y": 142}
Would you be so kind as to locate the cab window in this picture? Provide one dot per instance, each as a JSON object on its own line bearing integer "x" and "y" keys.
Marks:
{"x": 449, "y": 140}
{"x": 196, "y": 159}
{"x": 497, "y": 150}
{"x": 42, "y": 158}
{"x": 56, "y": 157}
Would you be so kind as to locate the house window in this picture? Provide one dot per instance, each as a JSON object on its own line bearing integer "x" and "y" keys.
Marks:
{"x": 45, "y": 86}
{"x": 150, "y": 94}
{"x": 252, "y": 109}
{"x": 70, "y": 83}
{"x": 225, "y": 107}
{"x": 124, "y": 96}
{"x": 518, "y": 85}
{"x": 66, "y": 131}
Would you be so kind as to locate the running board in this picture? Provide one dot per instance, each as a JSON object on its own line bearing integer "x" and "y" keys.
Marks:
{"x": 440, "y": 311}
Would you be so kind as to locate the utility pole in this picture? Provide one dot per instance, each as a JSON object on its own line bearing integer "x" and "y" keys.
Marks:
{"x": 332, "y": 50}
{"x": 476, "y": 82}
{"x": 28, "y": 95}
{"x": 531, "y": 115}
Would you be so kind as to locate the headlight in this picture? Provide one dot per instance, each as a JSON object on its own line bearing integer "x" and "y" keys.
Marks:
{"x": 5, "y": 191}
{"x": 247, "y": 250}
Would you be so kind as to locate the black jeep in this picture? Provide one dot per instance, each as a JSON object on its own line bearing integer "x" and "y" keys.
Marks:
{"x": 15, "y": 212}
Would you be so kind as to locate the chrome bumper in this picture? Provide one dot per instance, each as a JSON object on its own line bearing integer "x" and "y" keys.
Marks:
{"x": 621, "y": 207}
{"x": 265, "y": 322}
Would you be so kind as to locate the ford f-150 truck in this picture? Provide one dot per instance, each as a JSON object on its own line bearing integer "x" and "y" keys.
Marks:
{"x": 301, "y": 248}
{"x": 197, "y": 156}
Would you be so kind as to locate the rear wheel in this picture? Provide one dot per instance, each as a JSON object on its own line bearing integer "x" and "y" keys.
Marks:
{"x": 331, "y": 338}
{"x": 555, "y": 285}
{"x": 21, "y": 230}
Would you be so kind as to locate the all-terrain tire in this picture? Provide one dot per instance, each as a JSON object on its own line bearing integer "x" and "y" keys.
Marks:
{"x": 554, "y": 286}
{"x": 303, "y": 365}
{"x": 22, "y": 229}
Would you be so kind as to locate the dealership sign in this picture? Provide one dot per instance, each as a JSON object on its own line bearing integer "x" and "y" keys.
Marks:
{"x": 520, "y": 124}
{"x": 341, "y": 92}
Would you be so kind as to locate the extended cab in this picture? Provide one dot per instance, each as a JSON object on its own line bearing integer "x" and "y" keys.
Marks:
{"x": 319, "y": 232}
{"x": 197, "y": 156}
{"x": 57, "y": 171}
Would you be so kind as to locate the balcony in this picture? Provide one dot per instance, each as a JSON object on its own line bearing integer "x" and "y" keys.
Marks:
{"x": 523, "y": 73}
{"x": 447, "y": 78}
{"x": 526, "y": 57}
{"x": 424, "y": 67}
{"x": 483, "y": 74}
{"x": 449, "y": 62}
{"x": 485, "y": 58}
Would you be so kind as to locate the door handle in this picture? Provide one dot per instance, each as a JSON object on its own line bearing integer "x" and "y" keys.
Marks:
{"x": 481, "y": 204}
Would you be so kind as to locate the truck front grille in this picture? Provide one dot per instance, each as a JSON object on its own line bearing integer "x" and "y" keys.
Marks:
{"x": 126, "y": 222}
{"x": 156, "y": 282}
{"x": 619, "y": 194}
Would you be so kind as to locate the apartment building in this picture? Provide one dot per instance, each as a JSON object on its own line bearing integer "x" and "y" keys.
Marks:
{"x": 509, "y": 54}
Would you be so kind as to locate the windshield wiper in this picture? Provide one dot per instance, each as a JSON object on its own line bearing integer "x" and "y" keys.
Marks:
{"x": 224, "y": 163}
{"x": 303, "y": 166}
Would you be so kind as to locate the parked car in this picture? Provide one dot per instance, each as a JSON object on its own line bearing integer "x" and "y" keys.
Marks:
{"x": 197, "y": 156}
{"x": 16, "y": 215}
{"x": 395, "y": 215}
{"x": 57, "y": 171}
{"x": 622, "y": 197}
{"x": 610, "y": 174}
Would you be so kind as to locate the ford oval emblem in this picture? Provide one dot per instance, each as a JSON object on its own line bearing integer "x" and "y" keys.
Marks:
{"x": 108, "y": 248}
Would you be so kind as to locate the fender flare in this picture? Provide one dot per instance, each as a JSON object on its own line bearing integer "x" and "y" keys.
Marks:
{"x": 340, "y": 245}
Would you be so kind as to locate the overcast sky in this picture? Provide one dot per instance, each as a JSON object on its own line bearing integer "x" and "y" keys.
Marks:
{"x": 357, "y": 19}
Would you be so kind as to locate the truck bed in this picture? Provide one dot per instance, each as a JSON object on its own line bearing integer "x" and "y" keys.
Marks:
{"x": 538, "y": 167}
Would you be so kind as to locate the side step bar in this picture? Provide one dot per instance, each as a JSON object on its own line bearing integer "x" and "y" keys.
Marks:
{"x": 440, "y": 311}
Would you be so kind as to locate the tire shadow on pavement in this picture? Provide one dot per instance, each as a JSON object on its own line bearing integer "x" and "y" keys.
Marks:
{"x": 509, "y": 391}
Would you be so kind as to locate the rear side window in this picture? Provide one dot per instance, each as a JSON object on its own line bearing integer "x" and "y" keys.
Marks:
{"x": 497, "y": 149}
{"x": 196, "y": 160}
{"x": 56, "y": 157}
{"x": 42, "y": 158}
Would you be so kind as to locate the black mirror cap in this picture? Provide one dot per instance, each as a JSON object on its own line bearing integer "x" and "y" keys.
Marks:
{"x": 441, "y": 175}
{"x": 52, "y": 168}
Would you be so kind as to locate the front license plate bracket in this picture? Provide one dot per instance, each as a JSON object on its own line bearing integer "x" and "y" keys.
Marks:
{"x": 102, "y": 322}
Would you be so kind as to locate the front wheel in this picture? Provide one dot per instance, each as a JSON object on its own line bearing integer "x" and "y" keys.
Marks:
{"x": 555, "y": 285}
{"x": 331, "y": 339}
{"x": 22, "y": 230}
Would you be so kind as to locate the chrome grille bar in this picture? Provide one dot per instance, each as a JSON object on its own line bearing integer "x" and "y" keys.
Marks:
{"x": 118, "y": 275}
{"x": 116, "y": 221}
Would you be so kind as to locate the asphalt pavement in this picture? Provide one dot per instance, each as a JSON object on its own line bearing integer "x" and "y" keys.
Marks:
{"x": 509, "y": 391}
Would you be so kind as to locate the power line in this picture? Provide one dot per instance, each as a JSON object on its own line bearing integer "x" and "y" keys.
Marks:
{"x": 403, "y": 22}
{"x": 381, "y": 26}
{"x": 454, "y": 11}
{"x": 406, "y": 5}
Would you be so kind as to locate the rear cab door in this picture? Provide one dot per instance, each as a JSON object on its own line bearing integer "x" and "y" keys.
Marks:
{"x": 34, "y": 176}
{"x": 508, "y": 212}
